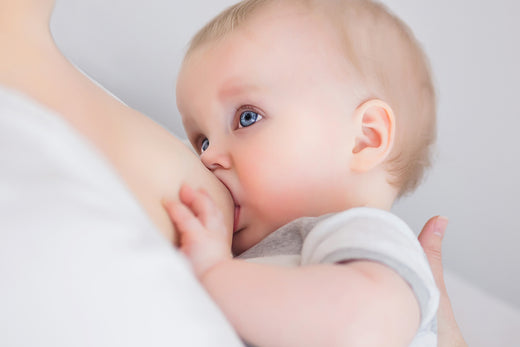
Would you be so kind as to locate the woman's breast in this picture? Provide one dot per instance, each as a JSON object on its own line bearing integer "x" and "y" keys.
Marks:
{"x": 154, "y": 164}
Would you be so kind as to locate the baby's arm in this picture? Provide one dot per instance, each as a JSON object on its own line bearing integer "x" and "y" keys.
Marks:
{"x": 358, "y": 303}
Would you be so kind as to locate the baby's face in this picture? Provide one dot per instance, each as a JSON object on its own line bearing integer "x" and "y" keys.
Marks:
{"x": 268, "y": 109}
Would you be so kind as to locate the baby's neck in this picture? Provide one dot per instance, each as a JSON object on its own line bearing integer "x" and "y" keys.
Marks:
{"x": 374, "y": 190}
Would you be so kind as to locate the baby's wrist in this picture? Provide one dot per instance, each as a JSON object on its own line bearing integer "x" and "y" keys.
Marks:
{"x": 214, "y": 267}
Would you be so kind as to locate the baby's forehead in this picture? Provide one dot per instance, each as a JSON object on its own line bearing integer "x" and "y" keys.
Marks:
{"x": 276, "y": 52}
{"x": 255, "y": 16}
{"x": 352, "y": 40}
{"x": 332, "y": 21}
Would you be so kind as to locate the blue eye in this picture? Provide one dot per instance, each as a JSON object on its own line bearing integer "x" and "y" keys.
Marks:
{"x": 248, "y": 118}
{"x": 205, "y": 145}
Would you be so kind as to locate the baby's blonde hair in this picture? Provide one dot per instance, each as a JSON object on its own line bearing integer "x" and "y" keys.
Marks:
{"x": 389, "y": 61}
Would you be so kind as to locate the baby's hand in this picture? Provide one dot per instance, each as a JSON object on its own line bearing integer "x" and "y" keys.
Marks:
{"x": 203, "y": 235}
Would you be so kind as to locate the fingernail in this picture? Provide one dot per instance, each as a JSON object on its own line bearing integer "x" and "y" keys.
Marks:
{"x": 440, "y": 225}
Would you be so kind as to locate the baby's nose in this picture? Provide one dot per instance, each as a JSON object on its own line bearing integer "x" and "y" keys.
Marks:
{"x": 214, "y": 159}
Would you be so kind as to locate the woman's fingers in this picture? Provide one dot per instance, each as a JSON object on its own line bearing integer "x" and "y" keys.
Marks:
{"x": 431, "y": 236}
{"x": 431, "y": 240}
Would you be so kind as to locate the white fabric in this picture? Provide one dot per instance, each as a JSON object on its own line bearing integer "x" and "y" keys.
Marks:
{"x": 80, "y": 262}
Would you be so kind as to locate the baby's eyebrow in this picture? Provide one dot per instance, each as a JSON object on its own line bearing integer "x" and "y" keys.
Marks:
{"x": 232, "y": 89}
{"x": 190, "y": 126}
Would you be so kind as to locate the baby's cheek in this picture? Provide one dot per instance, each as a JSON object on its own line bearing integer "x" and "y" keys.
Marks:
{"x": 278, "y": 198}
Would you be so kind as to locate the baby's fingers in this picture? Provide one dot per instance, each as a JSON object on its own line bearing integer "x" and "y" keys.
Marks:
{"x": 202, "y": 206}
{"x": 183, "y": 219}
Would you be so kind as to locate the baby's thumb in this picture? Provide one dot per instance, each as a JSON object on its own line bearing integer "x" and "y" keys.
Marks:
{"x": 431, "y": 241}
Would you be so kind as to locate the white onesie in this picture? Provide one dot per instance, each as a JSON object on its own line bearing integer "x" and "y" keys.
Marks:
{"x": 357, "y": 234}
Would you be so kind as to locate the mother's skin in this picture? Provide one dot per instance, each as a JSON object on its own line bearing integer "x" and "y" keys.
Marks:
{"x": 151, "y": 161}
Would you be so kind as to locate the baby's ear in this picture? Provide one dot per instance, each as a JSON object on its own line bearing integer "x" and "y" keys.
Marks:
{"x": 375, "y": 132}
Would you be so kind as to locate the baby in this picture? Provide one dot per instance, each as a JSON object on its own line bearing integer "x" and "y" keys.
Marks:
{"x": 323, "y": 110}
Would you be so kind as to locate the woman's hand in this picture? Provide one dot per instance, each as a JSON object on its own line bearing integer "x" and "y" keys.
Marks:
{"x": 449, "y": 334}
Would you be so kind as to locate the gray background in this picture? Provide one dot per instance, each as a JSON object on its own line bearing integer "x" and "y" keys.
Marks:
{"x": 134, "y": 48}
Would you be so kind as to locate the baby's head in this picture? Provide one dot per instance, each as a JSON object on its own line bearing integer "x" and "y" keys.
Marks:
{"x": 307, "y": 107}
